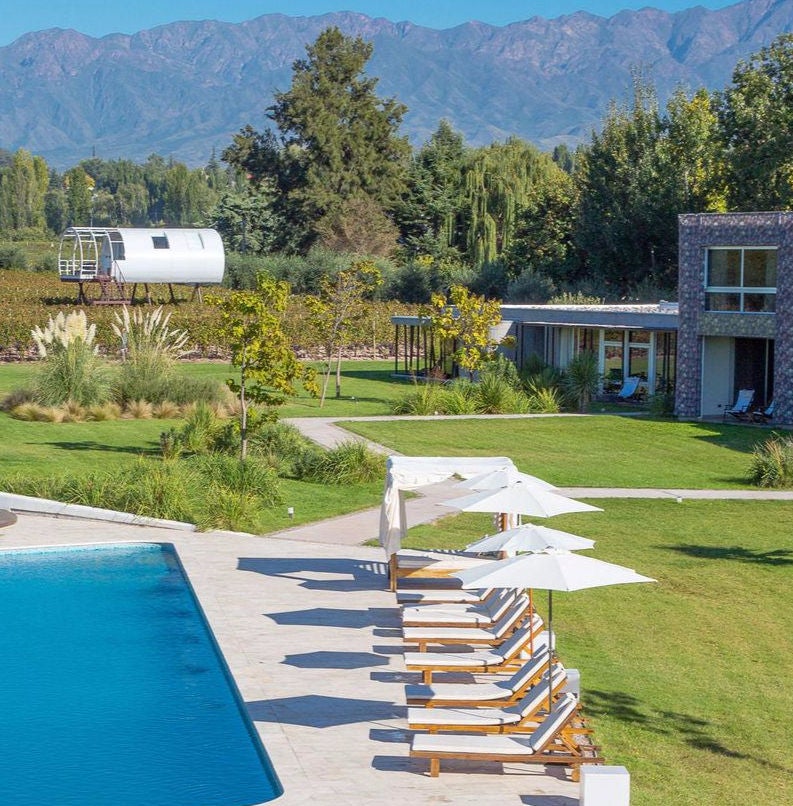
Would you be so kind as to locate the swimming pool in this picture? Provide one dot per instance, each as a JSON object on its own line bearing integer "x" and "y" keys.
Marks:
{"x": 112, "y": 690}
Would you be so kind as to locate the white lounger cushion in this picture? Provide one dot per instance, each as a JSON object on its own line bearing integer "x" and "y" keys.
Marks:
{"x": 482, "y": 613}
{"x": 483, "y": 658}
{"x": 455, "y": 744}
{"x": 464, "y": 635}
{"x": 435, "y": 595}
{"x": 438, "y": 692}
{"x": 535, "y": 698}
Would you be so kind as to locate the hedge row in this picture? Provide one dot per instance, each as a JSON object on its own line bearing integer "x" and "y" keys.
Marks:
{"x": 28, "y": 299}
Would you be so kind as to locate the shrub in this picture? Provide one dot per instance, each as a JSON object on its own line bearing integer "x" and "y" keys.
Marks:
{"x": 581, "y": 378}
{"x": 13, "y": 257}
{"x": 772, "y": 462}
{"x": 350, "y": 462}
{"x": 104, "y": 411}
{"x": 17, "y": 398}
{"x": 544, "y": 400}
{"x": 501, "y": 367}
{"x": 70, "y": 368}
{"x": 166, "y": 410}
{"x": 280, "y": 445}
{"x": 459, "y": 397}
{"x": 138, "y": 410}
{"x": 494, "y": 395}
{"x": 250, "y": 476}
{"x": 199, "y": 429}
{"x": 426, "y": 398}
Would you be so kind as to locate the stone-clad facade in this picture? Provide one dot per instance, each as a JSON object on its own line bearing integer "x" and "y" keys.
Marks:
{"x": 698, "y": 233}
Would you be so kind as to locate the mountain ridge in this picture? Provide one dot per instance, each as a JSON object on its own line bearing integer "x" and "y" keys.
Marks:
{"x": 183, "y": 89}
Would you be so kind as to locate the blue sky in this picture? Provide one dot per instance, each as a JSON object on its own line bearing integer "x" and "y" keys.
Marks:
{"x": 97, "y": 18}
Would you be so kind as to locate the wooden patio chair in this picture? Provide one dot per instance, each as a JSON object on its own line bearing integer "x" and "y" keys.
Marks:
{"x": 499, "y": 693}
{"x": 560, "y": 738}
{"x": 483, "y": 614}
{"x": 422, "y": 637}
{"x": 518, "y": 718}
{"x": 506, "y": 657}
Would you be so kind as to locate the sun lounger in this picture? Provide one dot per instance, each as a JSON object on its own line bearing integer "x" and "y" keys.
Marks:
{"x": 743, "y": 403}
{"x": 518, "y": 718}
{"x": 412, "y": 596}
{"x": 424, "y": 636}
{"x": 421, "y": 567}
{"x": 556, "y": 740}
{"x": 483, "y": 614}
{"x": 499, "y": 693}
{"x": 502, "y": 658}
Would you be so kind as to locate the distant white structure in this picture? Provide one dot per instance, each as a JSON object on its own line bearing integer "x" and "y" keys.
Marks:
{"x": 116, "y": 257}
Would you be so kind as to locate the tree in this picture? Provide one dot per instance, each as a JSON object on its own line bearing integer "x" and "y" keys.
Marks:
{"x": 466, "y": 319}
{"x": 627, "y": 216}
{"x": 756, "y": 119}
{"x": 430, "y": 213}
{"x": 79, "y": 186}
{"x": 334, "y": 312}
{"x": 252, "y": 323}
{"x": 498, "y": 181}
{"x": 339, "y": 139}
{"x": 23, "y": 186}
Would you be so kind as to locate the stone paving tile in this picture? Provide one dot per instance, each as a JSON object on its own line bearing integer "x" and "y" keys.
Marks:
{"x": 308, "y": 633}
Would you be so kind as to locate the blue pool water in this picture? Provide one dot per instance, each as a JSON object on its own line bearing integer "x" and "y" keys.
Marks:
{"x": 112, "y": 690}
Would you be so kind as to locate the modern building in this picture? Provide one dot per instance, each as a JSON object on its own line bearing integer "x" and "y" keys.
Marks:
{"x": 628, "y": 340}
{"x": 736, "y": 312}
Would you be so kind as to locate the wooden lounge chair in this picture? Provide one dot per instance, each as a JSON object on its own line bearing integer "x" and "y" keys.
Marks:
{"x": 505, "y": 657}
{"x": 559, "y": 738}
{"x": 518, "y": 718}
{"x": 422, "y": 637}
{"x": 415, "y": 596}
{"x": 741, "y": 408}
{"x": 425, "y": 567}
{"x": 765, "y": 415}
{"x": 484, "y": 614}
{"x": 499, "y": 693}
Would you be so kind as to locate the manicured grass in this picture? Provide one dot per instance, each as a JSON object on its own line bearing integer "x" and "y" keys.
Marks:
{"x": 597, "y": 451}
{"x": 685, "y": 680}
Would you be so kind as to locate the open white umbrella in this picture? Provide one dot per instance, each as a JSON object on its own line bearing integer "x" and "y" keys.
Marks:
{"x": 495, "y": 479}
{"x": 552, "y": 570}
{"x": 531, "y": 537}
{"x": 520, "y": 498}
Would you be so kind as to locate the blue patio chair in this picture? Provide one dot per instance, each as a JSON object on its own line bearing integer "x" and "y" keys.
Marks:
{"x": 631, "y": 389}
{"x": 764, "y": 415}
{"x": 741, "y": 408}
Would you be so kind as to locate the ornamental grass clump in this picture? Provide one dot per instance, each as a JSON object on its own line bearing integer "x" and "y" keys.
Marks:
{"x": 70, "y": 369}
{"x": 149, "y": 347}
{"x": 772, "y": 462}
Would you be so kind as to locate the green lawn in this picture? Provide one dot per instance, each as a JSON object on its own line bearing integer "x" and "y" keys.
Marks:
{"x": 686, "y": 680}
{"x": 598, "y": 451}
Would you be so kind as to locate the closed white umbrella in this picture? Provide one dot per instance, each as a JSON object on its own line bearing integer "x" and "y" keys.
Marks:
{"x": 520, "y": 498}
{"x": 552, "y": 570}
{"x": 531, "y": 537}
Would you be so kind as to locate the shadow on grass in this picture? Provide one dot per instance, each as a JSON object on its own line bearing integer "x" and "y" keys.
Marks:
{"x": 694, "y": 731}
{"x": 775, "y": 557}
{"x": 90, "y": 445}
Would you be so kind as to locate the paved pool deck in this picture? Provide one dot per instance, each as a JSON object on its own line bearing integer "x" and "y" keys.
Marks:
{"x": 311, "y": 635}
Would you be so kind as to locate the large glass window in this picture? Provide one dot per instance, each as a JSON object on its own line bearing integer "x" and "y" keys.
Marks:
{"x": 741, "y": 279}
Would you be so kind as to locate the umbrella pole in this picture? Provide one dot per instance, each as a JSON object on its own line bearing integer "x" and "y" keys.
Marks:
{"x": 550, "y": 649}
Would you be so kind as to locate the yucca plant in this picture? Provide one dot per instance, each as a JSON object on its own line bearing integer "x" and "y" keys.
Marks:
{"x": 772, "y": 462}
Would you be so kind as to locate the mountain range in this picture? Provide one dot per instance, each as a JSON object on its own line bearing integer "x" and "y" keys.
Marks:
{"x": 183, "y": 89}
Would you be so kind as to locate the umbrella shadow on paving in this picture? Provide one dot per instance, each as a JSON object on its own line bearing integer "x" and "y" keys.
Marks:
{"x": 319, "y": 711}
{"x": 391, "y": 735}
{"x": 342, "y": 574}
{"x": 326, "y": 659}
{"x": 337, "y": 617}
{"x": 744, "y": 555}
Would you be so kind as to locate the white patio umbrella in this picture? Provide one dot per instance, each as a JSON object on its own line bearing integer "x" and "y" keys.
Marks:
{"x": 495, "y": 479}
{"x": 531, "y": 537}
{"x": 552, "y": 570}
{"x": 520, "y": 498}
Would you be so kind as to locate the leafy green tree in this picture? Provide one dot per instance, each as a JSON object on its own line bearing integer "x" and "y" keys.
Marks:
{"x": 79, "y": 187}
{"x": 498, "y": 181}
{"x": 187, "y": 198}
{"x": 466, "y": 320}
{"x": 431, "y": 209}
{"x": 627, "y": 215}
{"x": 252, "y": 323}
{"x": 23, "y": 186}
{"x": 339, "y": 139}
{"x": 340, "y": 305}
{"x": 756, "y": 118}
{"x": 245, "y": 219}
{"x": 695, "y": 152}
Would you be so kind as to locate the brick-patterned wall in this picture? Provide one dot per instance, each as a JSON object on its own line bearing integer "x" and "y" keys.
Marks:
{"x": 698, "y": 232}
